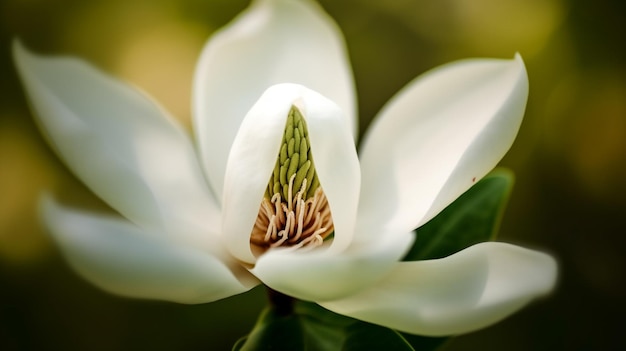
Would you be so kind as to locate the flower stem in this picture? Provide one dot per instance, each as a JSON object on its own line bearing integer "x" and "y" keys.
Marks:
{"x": 282, "y": 304}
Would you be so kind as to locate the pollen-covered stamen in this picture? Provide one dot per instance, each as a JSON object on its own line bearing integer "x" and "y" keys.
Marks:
{"x": 294, "y": 211}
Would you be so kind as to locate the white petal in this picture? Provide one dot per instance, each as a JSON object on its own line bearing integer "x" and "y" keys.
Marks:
{"x": 122, "y": 145}
{"x": 321, "y": 275}
{"x": 123, "y": 259}
{"x": 274, "y": 41}
{"x": 437, "y": 137}
{"x": 463, "y": 292}
{"x": 256, "y": 148}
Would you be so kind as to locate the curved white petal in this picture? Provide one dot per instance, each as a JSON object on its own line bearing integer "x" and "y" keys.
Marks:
{"x": 437, "y": 137}
{"x": 457, "y": 294}
{"x": 122, "y": 259}
{"x": 321, "y": 275}
{"x": 122, "y": 145}
{"x": 274, "y": 41}
{"x": 256, "y": 148}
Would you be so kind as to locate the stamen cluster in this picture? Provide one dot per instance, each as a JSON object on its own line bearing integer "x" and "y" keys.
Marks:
{"x": 295, "y": 222}
{"x": 294, "y": 211}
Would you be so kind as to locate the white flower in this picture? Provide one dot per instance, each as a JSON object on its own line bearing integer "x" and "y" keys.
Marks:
{"x": 185, "y": 235}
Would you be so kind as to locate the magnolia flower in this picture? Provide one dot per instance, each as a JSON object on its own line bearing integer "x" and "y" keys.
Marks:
{"x": 273, "y": 192}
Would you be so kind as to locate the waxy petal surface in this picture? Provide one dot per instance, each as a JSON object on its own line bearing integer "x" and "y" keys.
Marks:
{"x": 321, "y": 275}
{"x": 274, "y": 41}
{"x": 123, "y": 259}
{"x": 457, "y": 294}
{"x": 122, "y": 146}
{"x": 436, "y": 138}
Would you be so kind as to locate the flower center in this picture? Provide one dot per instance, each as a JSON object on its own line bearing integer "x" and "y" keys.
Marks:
{"x": 294, "y": 211}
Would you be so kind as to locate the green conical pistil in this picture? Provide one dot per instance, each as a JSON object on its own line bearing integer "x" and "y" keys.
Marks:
{"x": 311, "y": 189}
{"x": 301, "y": 174}
{"x": 303, "y": 150}
{"x": 291, "y": 147}
{"x": 283, "y": 154}
{"x": 296, "y": 139}
{"x": 282, "y": 179}
{"x": 294, "y": 159}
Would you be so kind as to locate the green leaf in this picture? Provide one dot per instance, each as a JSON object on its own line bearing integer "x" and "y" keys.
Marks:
{"x": 473, "y": 218}
{"x": 312, "y": 328}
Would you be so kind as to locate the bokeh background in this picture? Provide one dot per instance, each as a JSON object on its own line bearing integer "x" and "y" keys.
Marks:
{"x": 569, "y": 158}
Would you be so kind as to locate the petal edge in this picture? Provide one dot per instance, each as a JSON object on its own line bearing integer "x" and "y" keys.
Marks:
{"x": 122, "y": 145}
{"x": 122, "y": 259}
{"x": 463, "y": 292}
{"x": 437, "y": 137}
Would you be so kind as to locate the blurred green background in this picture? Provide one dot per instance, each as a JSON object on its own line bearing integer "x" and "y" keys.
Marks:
{"x": 569, "y": 158}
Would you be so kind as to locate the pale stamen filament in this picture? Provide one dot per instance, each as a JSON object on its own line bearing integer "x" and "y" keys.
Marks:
{"x": 314, "y": 240}
{"x": 300, "y": 223}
